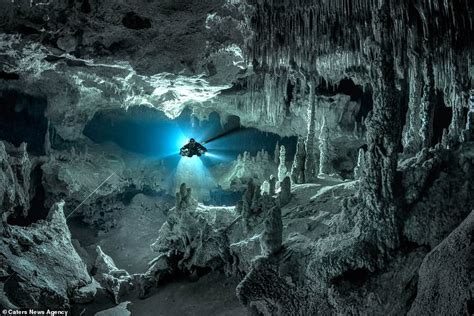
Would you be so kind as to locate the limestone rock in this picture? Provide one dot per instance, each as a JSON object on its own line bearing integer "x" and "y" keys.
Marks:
{"x": 273, "y": 231}
{"x": 117, "y": 281}
{"x": 119, "y": 310}
{"x": 284, "y": 196}
{"x": 445, "y": 277}
{"x": 44, "y": 269}
{"x": 297, "y": 170}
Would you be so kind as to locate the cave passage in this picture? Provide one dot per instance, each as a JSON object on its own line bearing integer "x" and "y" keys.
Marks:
{"x": 356, "y": 92}
{"x": 22, "y": 119}
{"x": 149, "y": 132}
{"x": 441, "y": 119}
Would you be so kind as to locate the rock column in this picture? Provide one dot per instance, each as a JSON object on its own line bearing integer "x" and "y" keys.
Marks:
{"x": 310, "y": 168}
{"x": 384, "y": 129}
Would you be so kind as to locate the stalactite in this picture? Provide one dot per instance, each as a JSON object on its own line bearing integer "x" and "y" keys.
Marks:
{"x": 326, "y": 39}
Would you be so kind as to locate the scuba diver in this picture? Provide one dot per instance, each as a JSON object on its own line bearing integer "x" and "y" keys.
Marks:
{"x": 192, "y": 148}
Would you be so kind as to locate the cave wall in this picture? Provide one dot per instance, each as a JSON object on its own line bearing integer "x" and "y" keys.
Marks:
{"x": 283, "y": 66}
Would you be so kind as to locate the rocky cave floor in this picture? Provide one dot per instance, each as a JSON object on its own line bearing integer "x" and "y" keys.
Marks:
{"x": 175, "y": 256}
{"x": 212, "y": 293}
{"x": 352, "y": 192}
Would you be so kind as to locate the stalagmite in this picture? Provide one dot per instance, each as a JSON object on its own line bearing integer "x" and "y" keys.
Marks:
{"x": 285, "y": 191}
{"x": 272, "y": 187}
{"x": 368, "y": 87}
{"x": 246, "y": 205}
{"x": 273, "y": 231}
{"x": 256, "y": 203}
{"x": 445, "y": 139}
{"x": 469, "y": 131}
{"x": 360, "y": 167}
{"x": 282, "y": 170}
{"x": 183, "y": 197}
{"x": 310, "y": 167}
{"x": 265, "y": 187}
{"x": 297, "y": 169}
{"x": 324, "y": 149}
{"x": 276, "y": 154}
{"x": 47, "y": 141}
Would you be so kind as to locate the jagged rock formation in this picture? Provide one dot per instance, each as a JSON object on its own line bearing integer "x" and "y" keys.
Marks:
{"x": 282, "y": 170}
{"x": 438, "y": 192}
{"x": 106, "y": 54}
{"x": 15, "y": 169}
{"x": 28, "y": 258}
{"x": 119, "y": 310}
{"x": 444, "y": 276}
{"x": 375, "y": 90}
{"x": 284, "y": 195}
{"x": 360, "y": 167}
{"x": 183, "y": 197}
{"x": 117, "y": 281}
{"x": 73, "y": 175}
{"x": 273, "y": 230}
{"x": 189, "y": 234}
{"x": 245, "y": 169}
{"x": 297, "y": 169}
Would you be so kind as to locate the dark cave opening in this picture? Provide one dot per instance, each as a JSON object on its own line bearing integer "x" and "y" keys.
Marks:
{"x": 22, "y": 119}
{"x": 37, "y": 210}
{"x": 86, "y": 7}
{"x": 9, "y": 75}
{"x": 133, "y": 21}
{"x": 442, "y": 118}
{"x": 352, "y": 278}
{"x": 356, "y": 92}
{"x": 289, "y": 95}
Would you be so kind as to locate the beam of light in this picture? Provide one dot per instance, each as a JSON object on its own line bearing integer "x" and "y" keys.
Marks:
{"x": 194, "y": 173}
{"x": 212, "y": 155}
{"x": 181, "y": 140}
{"x": 169, "y": 141}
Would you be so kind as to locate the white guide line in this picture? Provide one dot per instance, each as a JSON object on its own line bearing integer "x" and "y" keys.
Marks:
{"x": 90, "y": 195}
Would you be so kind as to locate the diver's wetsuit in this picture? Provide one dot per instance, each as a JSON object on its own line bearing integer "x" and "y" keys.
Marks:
{"x": 193, "y": 148}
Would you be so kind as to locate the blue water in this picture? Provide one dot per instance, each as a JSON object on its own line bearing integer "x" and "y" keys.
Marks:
{"x": 149, "y": 132}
